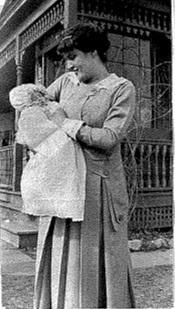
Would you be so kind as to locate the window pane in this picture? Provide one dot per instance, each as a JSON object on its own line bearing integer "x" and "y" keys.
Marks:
{"x": 145, "y": 53}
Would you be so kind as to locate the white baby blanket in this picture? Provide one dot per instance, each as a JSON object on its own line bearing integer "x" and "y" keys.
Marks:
{"x": 53, "y": 180}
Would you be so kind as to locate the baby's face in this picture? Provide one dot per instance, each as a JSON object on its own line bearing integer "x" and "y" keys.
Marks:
{"x": 27, "y": 95}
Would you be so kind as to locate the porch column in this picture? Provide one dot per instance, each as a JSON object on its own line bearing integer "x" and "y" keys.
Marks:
{"x": 70, "y": 13}
{"x": 18, "y": 149}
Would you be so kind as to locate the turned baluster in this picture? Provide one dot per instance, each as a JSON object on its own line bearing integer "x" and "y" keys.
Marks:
{"x": 141, "y": 166}
{"x": 166, "y": 23}
{"x": 157, "y": 166}
{"x": 81, "y": 6}
{"x": 152, "y": 19}
{"x": 39, "y": 25}
{"x": 149, "y": 165}
{"x": 61, "y": 8}
{"x": 89, "y": 8}
{"x": 54, "y": 14}
{"x": 51, "y": 17}
{"x": 58, "y": 9}
{"x": 139, "y": 16}
{"x": 96, "y": 8}
{"x": 164, "y": 181}
{"x": 159, "y": 20}
{"x": 42, "y": 23}
{"x": 146, "y": 17}
{"x": 46, "y": 20}
{"x": 27, "y": 36}
{"x": 30, "y": 34}
{"x": 35, "y": 30}
{"x": 171, "y": 166}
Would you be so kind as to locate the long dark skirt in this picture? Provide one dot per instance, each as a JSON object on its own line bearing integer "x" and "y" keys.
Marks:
{"x": 84, "y": 264}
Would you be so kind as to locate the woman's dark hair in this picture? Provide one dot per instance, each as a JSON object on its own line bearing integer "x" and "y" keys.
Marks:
{"x": 86, "y": 37}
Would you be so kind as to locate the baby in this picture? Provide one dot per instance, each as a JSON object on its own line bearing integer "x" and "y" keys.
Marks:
{"x": 53, "y": 180}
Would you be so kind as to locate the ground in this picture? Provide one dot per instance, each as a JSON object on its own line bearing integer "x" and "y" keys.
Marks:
{"x": 153, "y": 289}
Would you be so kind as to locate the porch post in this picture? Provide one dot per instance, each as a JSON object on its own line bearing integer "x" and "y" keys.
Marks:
{"x": 70, "y": 13}
{"x": 1, "y": 274}
{"x": 18, "y": 149}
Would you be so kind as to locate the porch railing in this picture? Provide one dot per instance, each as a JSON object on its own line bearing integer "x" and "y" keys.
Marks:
{"x": 150, "y": 162}
{"x": 153, "y": 164}
{"x": 150, "y": 172}
{"x": 148, "y": 167}
{"x": 6, "y": 166}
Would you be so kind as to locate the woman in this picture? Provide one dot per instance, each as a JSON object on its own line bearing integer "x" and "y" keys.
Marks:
{"x": 87, "y": 264}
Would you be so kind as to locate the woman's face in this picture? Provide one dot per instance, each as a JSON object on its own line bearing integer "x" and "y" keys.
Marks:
{"x": 82, "y": 64}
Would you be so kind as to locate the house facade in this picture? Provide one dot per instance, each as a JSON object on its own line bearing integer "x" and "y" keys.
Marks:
{"x": 140, "y": 35}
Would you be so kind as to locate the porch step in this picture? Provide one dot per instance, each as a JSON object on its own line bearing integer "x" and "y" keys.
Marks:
{"x": 7, "y": 212}
{"x": 19, "y": 234}
{"x": 11, "y": 207}
{"x": 13, "y": 198}
{"x": 16, "y": 228}
{"x": 4, "y": 197}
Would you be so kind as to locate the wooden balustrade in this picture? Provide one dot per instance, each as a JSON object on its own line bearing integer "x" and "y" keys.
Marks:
{"x": 131, "y": 14}
{"x": 44, "y": 23}
{"x": 6, "y": 166}
{"x": 154, "y": 164}
{"x": 7, "y": 53}
{"x": 150, "y": 163}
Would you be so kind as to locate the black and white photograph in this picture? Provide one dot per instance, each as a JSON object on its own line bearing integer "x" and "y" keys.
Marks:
{"x": 86, "y": 154}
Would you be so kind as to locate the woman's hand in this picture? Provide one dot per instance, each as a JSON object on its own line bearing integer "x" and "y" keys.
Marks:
{"x": 58, "y": 116}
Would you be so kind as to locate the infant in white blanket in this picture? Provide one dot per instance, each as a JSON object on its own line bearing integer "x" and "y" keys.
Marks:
{"x": 53, "y": 180}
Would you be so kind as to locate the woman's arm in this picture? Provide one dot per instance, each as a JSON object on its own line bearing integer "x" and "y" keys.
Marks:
{"x": 114, "y": 127}
{"x": 59, "y": 117}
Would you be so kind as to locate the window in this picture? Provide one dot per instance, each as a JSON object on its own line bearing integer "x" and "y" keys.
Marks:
{"x": 161, "y": 81}
{"x": 130, "y": 57}
{"x": 146, "y": 62}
